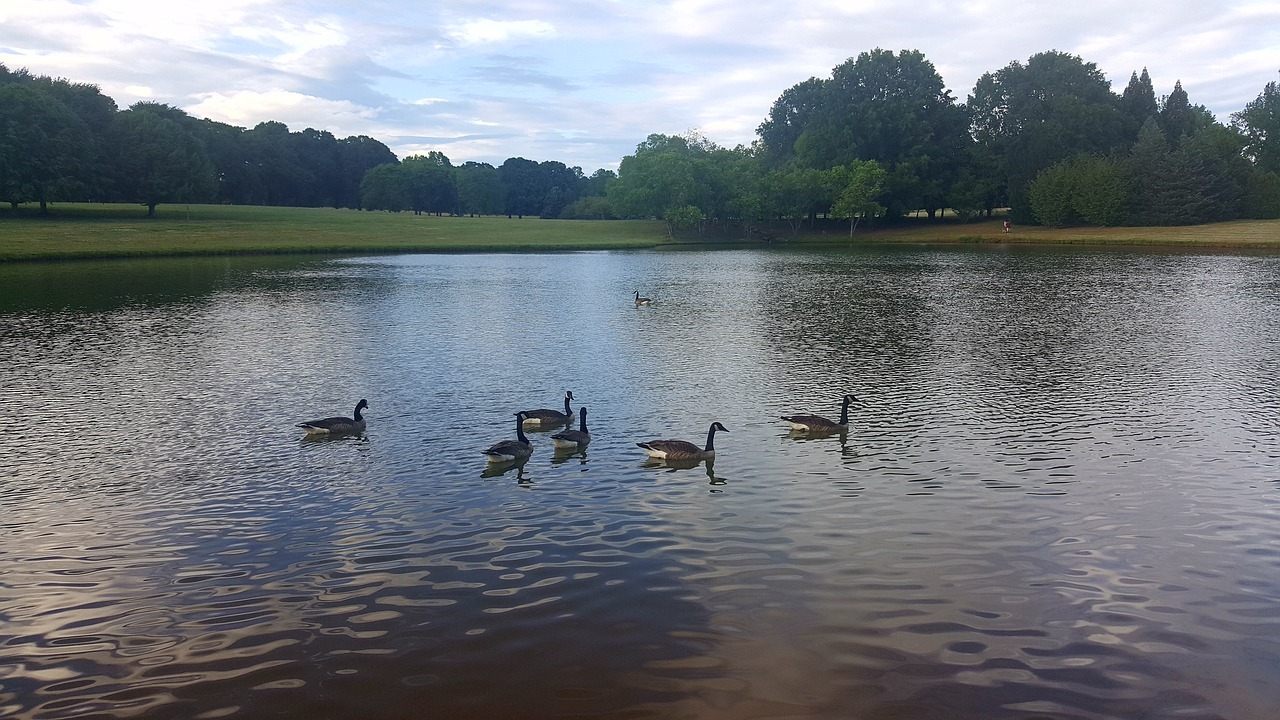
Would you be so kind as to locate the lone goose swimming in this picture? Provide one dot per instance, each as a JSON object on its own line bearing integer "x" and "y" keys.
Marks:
{"x": 544, "y": 417}
{"x": 337, "y": 425}
{"x": 642, "y": 300}
{"x": 682, "y": 449}
{"x": 573, "y": 439}
{"x": 511, "y": 450}
{"x": 817, "y": 423}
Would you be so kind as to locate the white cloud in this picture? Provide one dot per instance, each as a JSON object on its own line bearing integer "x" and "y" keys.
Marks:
{"x": 247, "y": 108}
{"x": 454, "y": 78}
{"x": 485, "y": 31}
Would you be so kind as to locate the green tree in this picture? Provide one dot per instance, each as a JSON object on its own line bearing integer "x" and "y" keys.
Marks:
{"x": 794, "y": 193}
{"x": 1050, "y": 195}
{"x": 524, "y": 193}
{"x": 1176, "y": 117}
{"x": 1138, "y": 102}
{"x": 1259, "y": 122}
{"x": 1262, "y": 196}
{"x": 896, "y": 110}
{"x": 859, "y": 184}
{"x": 1101, "y": 190}
{"x": 44, "y": 147}
{"x": 665, "y": 173}
{"x": 1201, "y": 180}
{"x": 357, "y": 155}
{"x": 590, "y": 207}
{"x": 789, "y": 117}
{"x": 1086, "y": 188}
{"x": 1034, "y": 115}
{"x": 385, "y": 187}
{"x": 598, "y": 183}
{"x": 430, "y": 182}
{"x": 480, "y": 190}
{"x": 157, "y": 160}
{"x": 682, "y": 217}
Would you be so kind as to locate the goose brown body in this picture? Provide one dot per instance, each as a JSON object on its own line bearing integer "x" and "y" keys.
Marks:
{"x": 544, "y": 416}
{"x": 683, "y": 449}
{"x": 818, "y": 423}
{"x": 573, "y": 439}
{"x": 511, "y": 450}
{"x": 337, "y": 425}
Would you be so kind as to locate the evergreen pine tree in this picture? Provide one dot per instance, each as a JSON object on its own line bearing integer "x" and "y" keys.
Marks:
{"x": 1176, "y": 118}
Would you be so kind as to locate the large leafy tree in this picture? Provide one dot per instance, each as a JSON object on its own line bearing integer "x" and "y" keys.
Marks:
{"x": 1086, "y": 188}
{"x": 158, "y": 160}
{"x": 357, "y": 155}
{"x": 858, "y": 186}
{"x": 896, "y": 110}
{"x": 480, "y": 190}
{"x": 430, "y": 181}
{"x": 789, "y": 117}
{"x": 385, "y": 187}
{"x": 559, "y": 185}
{"x": 1034, "y": 115}
{"x": 44, "y": 147}
{"x": 524, "y": 192}
{"x": 665, "y": 173}
{"x": 1259, "y": 123}
{"x": 795, "y": 193}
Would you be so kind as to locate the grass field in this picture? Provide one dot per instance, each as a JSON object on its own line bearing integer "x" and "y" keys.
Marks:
{"x": 101, "y": 231}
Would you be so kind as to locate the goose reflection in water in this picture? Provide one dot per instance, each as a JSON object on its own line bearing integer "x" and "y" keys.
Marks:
{"x": 672, "y": 466}
{"x": 493, "y": 470}
{"x": 349, "y": 437}
{"x": 560, "y": 456}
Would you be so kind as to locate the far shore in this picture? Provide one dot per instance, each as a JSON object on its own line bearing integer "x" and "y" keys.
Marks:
{"x": 83, "y": 231}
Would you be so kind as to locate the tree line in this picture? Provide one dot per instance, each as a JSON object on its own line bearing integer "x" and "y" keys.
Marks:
{"x": 877, "y": 140}
{"x": 882, "y": 138}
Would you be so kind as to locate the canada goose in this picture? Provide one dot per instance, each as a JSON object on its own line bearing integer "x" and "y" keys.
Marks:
{"x": 536, "y": 418}
{"x": 642, "y": 300}
{"x": 337, "y": 425}
{"x": 681, "y": 449}
{"x": 817, "y": 423}
{"x": 511, "y": 450}
{"x": 573, "y": 439}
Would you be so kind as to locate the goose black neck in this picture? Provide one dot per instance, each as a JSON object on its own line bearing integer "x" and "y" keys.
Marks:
{"x": 358, "y": 416}
{"x": 711, "y": 438}
{"x": 520, "y": 430}
{"x": 582, "y": 421}
{"x": 844, "y": 412}
{"x": 567, "y": 410}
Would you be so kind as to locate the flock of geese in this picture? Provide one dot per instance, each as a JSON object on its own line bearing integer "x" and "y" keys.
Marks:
{"x": 519, "y": 449}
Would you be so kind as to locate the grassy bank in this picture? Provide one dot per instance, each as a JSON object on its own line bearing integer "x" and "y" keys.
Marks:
{"x": 99, "y": 231}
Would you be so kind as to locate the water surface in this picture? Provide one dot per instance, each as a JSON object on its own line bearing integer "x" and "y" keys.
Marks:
{"x": 1057, "y": 498}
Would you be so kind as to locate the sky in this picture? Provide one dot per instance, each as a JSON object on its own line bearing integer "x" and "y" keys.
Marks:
{"x": 584, "y": 81}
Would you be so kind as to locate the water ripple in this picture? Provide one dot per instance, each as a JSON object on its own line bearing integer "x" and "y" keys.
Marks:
{"x": 1055, "y": 497}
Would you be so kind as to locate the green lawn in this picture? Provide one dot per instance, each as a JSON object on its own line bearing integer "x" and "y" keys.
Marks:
{"x": 84, "y": 231}
{"x": 98, "y": 231}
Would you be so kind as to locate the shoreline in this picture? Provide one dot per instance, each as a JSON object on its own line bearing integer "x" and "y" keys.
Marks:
{"x": 100, "y": 232}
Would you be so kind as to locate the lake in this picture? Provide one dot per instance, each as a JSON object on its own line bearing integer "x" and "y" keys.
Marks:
{"x": 1058, "y": 497}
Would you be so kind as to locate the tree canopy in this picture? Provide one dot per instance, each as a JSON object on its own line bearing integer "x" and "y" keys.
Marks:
{"x": 878, "y": 139}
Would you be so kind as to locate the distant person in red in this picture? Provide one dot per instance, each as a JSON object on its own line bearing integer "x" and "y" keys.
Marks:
{"x": 1007, "y": 226}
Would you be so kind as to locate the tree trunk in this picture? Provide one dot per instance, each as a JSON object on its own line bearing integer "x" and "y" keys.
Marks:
{"x": 151, "y": 209}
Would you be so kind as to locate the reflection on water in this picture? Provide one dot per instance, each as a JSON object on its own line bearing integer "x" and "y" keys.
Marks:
{"x": 1056, "y": 497}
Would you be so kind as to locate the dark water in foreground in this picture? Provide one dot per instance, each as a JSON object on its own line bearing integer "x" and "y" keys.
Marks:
{"x": 1058, "y": 498}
